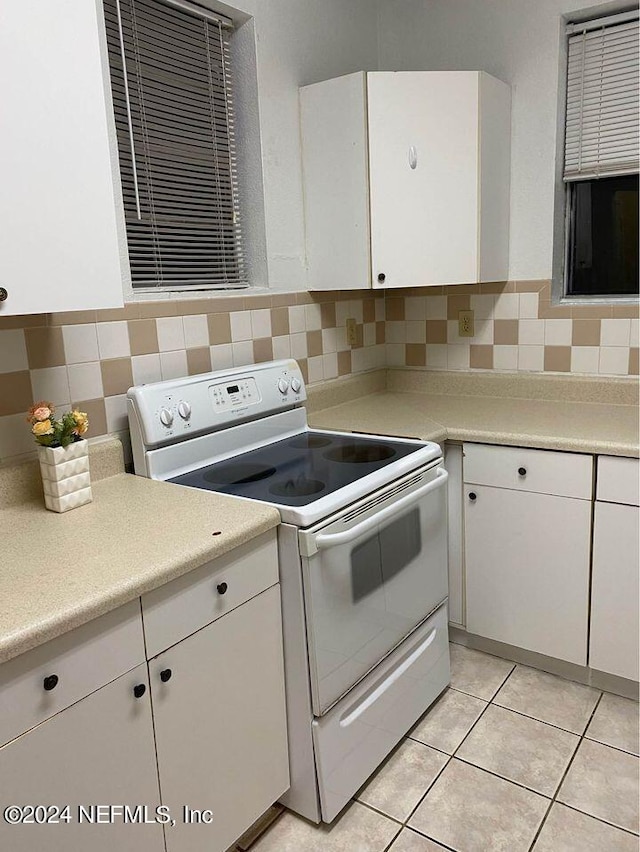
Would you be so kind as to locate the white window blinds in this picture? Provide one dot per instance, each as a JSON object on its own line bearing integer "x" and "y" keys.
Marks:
{"x": 170, "y": 78}
{"x": 601, "y": 135}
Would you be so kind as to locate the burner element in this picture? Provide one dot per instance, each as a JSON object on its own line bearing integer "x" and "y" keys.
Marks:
{"x": 360, "y": 453}
{"x": 308, "y": 441}
{"x": 300, "y": 487}
{"x": 238, "y": 473}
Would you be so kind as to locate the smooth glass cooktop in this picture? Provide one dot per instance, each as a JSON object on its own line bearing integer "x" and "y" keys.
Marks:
{"x": 299, "y": 469}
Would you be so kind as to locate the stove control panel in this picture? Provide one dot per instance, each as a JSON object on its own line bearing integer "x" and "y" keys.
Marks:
{"x": 166, "y": 412}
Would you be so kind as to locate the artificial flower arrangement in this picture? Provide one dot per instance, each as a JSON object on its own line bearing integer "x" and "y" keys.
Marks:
{"x": 50, "y": 432}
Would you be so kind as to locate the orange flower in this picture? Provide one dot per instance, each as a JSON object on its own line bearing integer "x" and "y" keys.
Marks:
{"x": 81, "y": 421}
{"x": 42, "y": 427}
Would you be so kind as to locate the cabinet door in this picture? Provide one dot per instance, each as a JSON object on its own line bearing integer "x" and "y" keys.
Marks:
{"x": 527, "y": 570}
{"x": 424, "y": 220}
{"x": 220, "y": 724}
{"x": 615, "y": 590}
{"x": 100, "y": 751}
{"x": 60, "y": 205}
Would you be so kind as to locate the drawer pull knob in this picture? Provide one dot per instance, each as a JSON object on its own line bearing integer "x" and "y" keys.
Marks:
{"x": 472, "y": 496}
{"x": 139, "y": 690}
{"x": 522, "y": 471}
{"x": 50, "y": 682}
{"x": 4, "y": 294}
{"x": 222, "y": 588}
{"x": 165, "y": 675}
{"x": 382, "y": 277}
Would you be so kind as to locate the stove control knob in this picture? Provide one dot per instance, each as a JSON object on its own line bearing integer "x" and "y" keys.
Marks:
{"x": 166, "y": 417}
{"x": 184, "y": 410}
{"x": 283, "y": 385}
{"x": 296, "y": 384}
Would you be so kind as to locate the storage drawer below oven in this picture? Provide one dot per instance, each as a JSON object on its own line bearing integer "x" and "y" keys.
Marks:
{"x": 354, "y": 737}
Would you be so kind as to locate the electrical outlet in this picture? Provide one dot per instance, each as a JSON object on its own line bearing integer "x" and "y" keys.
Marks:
{"x": 465, "y": 323}
{"x": 352, "y": 334}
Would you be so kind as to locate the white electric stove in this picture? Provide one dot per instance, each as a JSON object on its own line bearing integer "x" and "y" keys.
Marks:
{"x": 363, "y": 559}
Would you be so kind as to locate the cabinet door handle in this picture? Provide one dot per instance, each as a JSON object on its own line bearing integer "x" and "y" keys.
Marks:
{"x": 222, "y": 588}
{"x": 522, "y": 471}
{"x": 50, "y": 682}
{"x": 165, "y": 675}
{"x": 472, "y": 496}
{"x": 139, "y": 690}
{"x": 381, "y": 277}
{"x": 4, "y": 294}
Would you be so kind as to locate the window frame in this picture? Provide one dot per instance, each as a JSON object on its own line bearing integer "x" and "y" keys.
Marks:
{"x": 562, "y": 205}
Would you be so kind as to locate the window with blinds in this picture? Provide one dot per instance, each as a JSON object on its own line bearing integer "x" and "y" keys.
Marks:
{"x": 171, "y": 85}
{"x": 601, "y": 157}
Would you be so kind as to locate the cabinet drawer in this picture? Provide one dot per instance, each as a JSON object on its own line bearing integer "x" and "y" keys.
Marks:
{"x": 618, "y": 480}
{"x": 185, "y": 605}
{"x": 539, "y": 471}
{"x": 82, "y": 660}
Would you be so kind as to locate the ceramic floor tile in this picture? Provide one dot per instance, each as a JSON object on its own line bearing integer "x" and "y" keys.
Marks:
{"x": 616, "y": 723}
{"x": 548, "y": 698}
{"x": 358, "y": 828}
{"x": 476, "y": 673}
{"x": 603, "y": 782}
{"x": 411, "y": 841}
{"x": 566, "y": 830}
{"x": 403, "y": 779}
{"x": 448, "y": 721}
{"x": 520, "y": 749}
{"x": 472, "y": 811}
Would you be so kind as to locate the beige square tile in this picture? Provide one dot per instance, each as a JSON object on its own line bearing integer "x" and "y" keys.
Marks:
{"x": 199, "y": 360}
{"x": 314, "y": 343}
{"x": 15, "y": 436}
{"x": 328, "y": 313}
{"x": 519, "y": 749}
{"x": 221, "y": 356}
{"x": 616, "y": 332}
{"x": 548, "y": 698}
{"x": 117, "y": 376}
{"x": 507, "y": 306}
{"x": 13, "y": 351}
{"x": 279, "y": 321}
{"x": 455, "y": 304}
{"x": 297, "y": 317}
{"x": 313, "y": 317}
{"x": 530, "y": 358}
{"x": 481, "y": 357}
{"x": 436, "y": 306}
{"x": 15, "y": 393}
{"x": 416, "y": 331}
{"x": 585, "y": 359}
{"x": 557, "y": 359}
{"x": 51, "y": 383}
{"x": 330, "y": 365}
{"x": 476, "y": 673}
{"x": 472, "y": 811}
{"x": 586, "y": 332}
{"x": 634, "y": 361}
{"x": 242, "y": 353}
{"x": 381, "y": 333}
{"x": 416, "y": 355}
{"x": 614, "y": 360}
{"x": 281, "y": 346}
{"x": 164, "y": 308}
{"x": 113, "y": 339}
{"x": 403, "y": 779}
{"x": 80, "y": 343}
{"x": 357, "y": 829}
{"x": 394, "y": 308}
{"x": 505, "y": 331}
{"x": 447, "y": 722}
{"x": 344, "y": 363}
{"x": 45, "y": 347}
{"x": 411, "y": 841}
{"x": 262, "y": 350}
{"x": 196, "y": 331}
{"x": 261, "y": 323}
{"x": 95, "y": 409}
{"x": 531, "y": 332}
{"x": 566, "y": 830}
{"x": 240, "y": 326}
{"x": 505, "y": 357}
{"x": 558, "y": 332}
{"x": 72, "y": 317}
{"x": 146, "y": 368}
{"x": 116, "y": 408}
{"x": 616, "y": 723}
{"x": 143, "y": 336}
{"x": 436, "y": 331}
{"x": 219, "y": 329}
{"x": 603, "y": 782}
{"x": 85, "y": 381}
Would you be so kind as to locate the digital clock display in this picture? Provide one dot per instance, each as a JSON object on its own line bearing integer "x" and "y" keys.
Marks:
{"x": 233, "y": 389}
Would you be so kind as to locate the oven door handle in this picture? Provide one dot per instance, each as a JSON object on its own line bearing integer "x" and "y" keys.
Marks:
{"x": 325, "y": 540}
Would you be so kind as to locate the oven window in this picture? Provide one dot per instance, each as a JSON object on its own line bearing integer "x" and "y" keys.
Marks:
{"x": 385, "y": 554}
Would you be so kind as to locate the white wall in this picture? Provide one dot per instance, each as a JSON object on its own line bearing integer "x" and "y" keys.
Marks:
{"x": 519, "y": 42}
{"x": 298, "y": 42}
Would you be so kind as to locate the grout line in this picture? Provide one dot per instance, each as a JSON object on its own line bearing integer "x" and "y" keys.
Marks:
{"x": 598, "y": 819}
{"x": 535, "y": 719}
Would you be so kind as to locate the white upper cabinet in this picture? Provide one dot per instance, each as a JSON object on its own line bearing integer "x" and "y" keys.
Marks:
{"x": 62, "y": 243}
{"x": 406, "y": 179}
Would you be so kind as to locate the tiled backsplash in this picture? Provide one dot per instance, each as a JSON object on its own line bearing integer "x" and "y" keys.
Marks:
{"x": 516, "y": 328}
{"x": 91, "y": 358}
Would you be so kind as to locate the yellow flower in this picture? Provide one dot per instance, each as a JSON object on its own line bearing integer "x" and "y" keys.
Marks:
{"x": 42, "y": 427}
{"x": 81, "y": 420}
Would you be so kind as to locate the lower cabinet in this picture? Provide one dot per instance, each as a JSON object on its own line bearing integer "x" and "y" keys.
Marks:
{"x": 98, "y": 752}
{"x": 527, "y": 548}
{"x": 218, "y": 703}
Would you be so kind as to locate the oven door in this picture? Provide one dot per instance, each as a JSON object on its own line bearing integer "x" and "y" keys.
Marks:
{"x": 371, "y": 575}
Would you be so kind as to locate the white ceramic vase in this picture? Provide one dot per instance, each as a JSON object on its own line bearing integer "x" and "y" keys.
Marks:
{"x": 65, "y": 476}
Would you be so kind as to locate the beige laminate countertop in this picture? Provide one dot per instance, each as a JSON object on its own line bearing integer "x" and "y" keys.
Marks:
{"x": 60, "y": 571}
{"x": 548, "y": 424}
